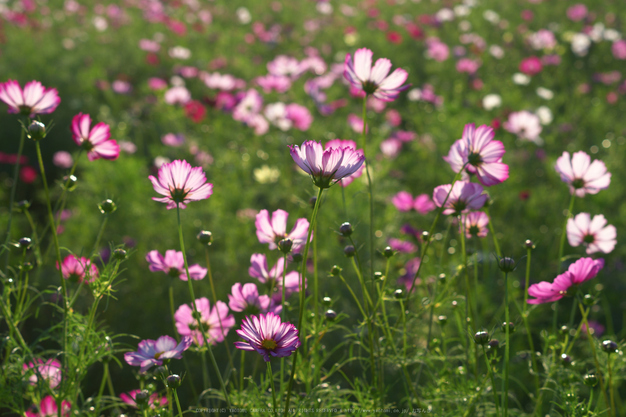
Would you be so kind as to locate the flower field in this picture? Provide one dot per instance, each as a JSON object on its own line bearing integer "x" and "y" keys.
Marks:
{"x": 315, "y": 208}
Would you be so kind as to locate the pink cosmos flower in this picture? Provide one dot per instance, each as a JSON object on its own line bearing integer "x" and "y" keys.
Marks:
{"x": 279, "y": 83}
{"x": 339, "y": 143}
{"x": 96, "y": 141}
{"x": 326, "y": 167}
{"x": 78, "y": 269}
{"x": 268, "y": 336}
{"x": 580, "y": 271}
{"x": 275, "y": 230}
{"x": 62, "y": 159}
{"x": 374, "y": 80}
{"x": 180, "y": 184}
{"x": 437, "y": 50}
{"x": 48, "y": 408}
{"x": 247, "y": 298}
{"x": 467, "y": 65}
{"x": 391, "y": 147}
{"x": 594, "y": 234}
{"x": 531, "y": 66}
{"x": 177, "y": 95}
{"x": 402, "y": 246}
{"x": 154, "y": 401}
{"x": 465, "y": 196}
{"x": 525, "y": 125}
{"x": 619, "y": 49}
{"x": 274, "y": 277}
{"x": 480, "y": 154}
{"x": 155, "y": 352}
{"x": 49, "y": 370}
{"x": 404, "y": 202}
{"x": 356, "y": 123}
{"x": 216, "y": 321}
{"x": 173, "y": 264}
{"x": 299, "y": 116}
{"x": 407, "y": 278}
{"x": 34, "y": 99}
{"x": 542, "y": 39}
{"x": 476, "y": 224}
{"x": 577, "y": 12}
{"x": 582, "y": 175}
{"x": 173, "y": 139}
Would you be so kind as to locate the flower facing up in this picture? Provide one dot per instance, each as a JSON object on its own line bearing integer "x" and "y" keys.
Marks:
{"x": 465, "y": 196}
{"x": 49, "y": 370}
{"x": 48, "y": 408}
{"x": 154, "y": 352}
{"x": 338, "y": 143}
{"x": 154, "y": 401}
{"x": 480, "y": 154}
{"x": 274, "y": 230}
{"x": 525, "y": 125}
{"x": 78, "y": 269}
{"x": 96, "y": 141}
{"x": 374, "y": 80}
{"x": 476, "y": 224}
{"x": 268, "y": 336}
{"x": 34, "y": 99}
{"x": 580, "y": 271}
{"x": 180, "y": 184}
{"x": 594, "y": 234}
{"x": 329, "y": 166}
{"x": 582, "y": 175}
{"x": 247, "y": 298}
{"x": 216, "y": 321}
{"x": 173, "y": 264}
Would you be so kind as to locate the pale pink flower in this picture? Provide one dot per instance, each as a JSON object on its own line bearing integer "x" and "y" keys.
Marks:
{"x": 173, "y": 139}
{"x": 356, "y": 123}
{"x": 278, "y": 83}
{"x": 274, "y": 277}
{"x": 274, "y": 230}
{"x": 542, "y": 39}
{"x": 594, "y": 234}
{"x": 284, "y": 65}
{"x": 177, "y": 95}
{"x": 216, "y": 321}
{"x": 149, "y": 45}
{"x": 577, "y": 12}
{"x": 339, "y": 143}
{"x": 96, "y": 141}
{"x": 180, "y": 184}
{"x": 525, "y": 125}
{"x": 173, "y": 264}
{"x": 48, "y": 408}
{"x": 268, "y": 336}
{"x": 34, "y": 99}
{"x": 437, "y": 50}
{"x": 62, "y": 159}
{"x": 391, "y": 147}
{"x": 299, "y": 116}
{"x": 465, "y": 196}
{"x": 404, "y": 202}
{"x": 476, "y": 224}
{"x": 50, "y": 371}
{"x": 467, "y": 65}
{"x": 246, "y": 298}
{"x": 157, "y": 83}
{"x": 155, "y": 352}
{"x": 619, "y": 49}
{"x": 250, "y": 105}
{"x": 582, "y": 175}
{"x": 374, "y": 80}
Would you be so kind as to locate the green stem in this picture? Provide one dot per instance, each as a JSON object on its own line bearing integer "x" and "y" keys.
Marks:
{"x": 180, "y": 410}
{"x": 564, "y": 232}
{"x": 283, "y": 313}
{"x": 35, "y": 236}
{"x": 505, "y": 382}
{"x": 493, "y": 381}
{"x": 270, "y": 376}
{"x": 610, "y": 378}
{"x": 493, "y": 235}
{"x": 16, "y": 172}
{"x": 195, "y": 310}
{"x": 370, "y": 188}
{"x": 100, "y": 233}
{"x": 531, "y": 344}
{"x": 469, "y": 310}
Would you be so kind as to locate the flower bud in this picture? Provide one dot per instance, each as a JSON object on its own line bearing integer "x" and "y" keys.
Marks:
{"x": 312, "y": 202}
{"x": 609, "y": 346}
{"x": 107, "y": 206}
{"x": 378, "y": 276}
{"x": 506, "y": 264}
{"x": 511, "y": 327}
{"x": 425, "y": 236}
{"x": 529, "y": 244}
{"x": 27, "y": 266}
{"x": 173, "y": 381}
{"x": 588, "y": 300}
{"x": 399, "y": 294}
{"x": 481, "y": 337}
{"x": 36, "y": 131}
{"x": 349, "y": 251}
{"x": 345, "y": 229}
{"x": 24, "y": 242}
{"x": 142, "y": 397}
{"x": 23, "y": 205}
{"x": 205, "y": 237}
{"x": 69, "y": 182}
{"x": 331, "y": 315}
{"x": 591, "y": 380}
{"x": 566, "y": 359}
{"x": 442, "y": 320}
{"x": 335, "y": 271}
{"x": 327, "y": 301}
{"x": 285, "y": 245}
{"x": 297, "y": 257}
{"x": 388, "y": 252}
{"x": 493, "y": 344}
{"x": 160, "y": 372}
{"x": 564, "y": 330}
{"x": 119, "y": 254}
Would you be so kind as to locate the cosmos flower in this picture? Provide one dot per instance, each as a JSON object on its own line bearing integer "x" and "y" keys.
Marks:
{"x": 154, "y": 401}
{"x": 594, "y": 234}
{"x": 34, "y": 99}
{"x": 246, "y": 298}
{"x": 96, "y": 141}
{"x": 326, "y": 167}
{"x": 580, "y": 271}
{"x": 374, "y": 80}
{"x": 525, "y": 125}
{"x": 48, "y": 408}
{"x": 216, "y": 321}
{"x": 480, "y": 154}
{"x": 78, "y": 269}
{"x": 274, "y": 277}
{"x": 180, "y": 184}
{"x": 49, "y": 370}
{"x": 267, "y": 335}
{"x": 173, "y": 264}
{"x": 274, "y": 230}
{"x": 582, "y": 175}
{"x": 476, "y": 224}
{"x": 154, "y": 352}
{"x": 339, "y": 143}
{"x": 465, "y": 196}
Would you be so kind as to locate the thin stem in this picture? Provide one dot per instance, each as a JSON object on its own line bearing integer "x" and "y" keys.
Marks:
{"x": 531, "y": 344}
{"x": 270, "y": 376}
{"x": 180, "y": 410}
{"x": 469, "y": 311}
{"x": 16, "y": 172}
{"x": 610, "y": 378}
{"x": 493, "y": 381}
{"x": 195, "y": 310}
{"x": 505, "y": 382}
{"x": 283, "y": 313}
{"x": 496, "y": 245}
{"x": 370, "y": 188}
{"x": 100, "y": 233}
{"x": 564, "y": 231}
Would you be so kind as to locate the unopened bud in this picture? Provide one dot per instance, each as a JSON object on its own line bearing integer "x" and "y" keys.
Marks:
{"x": 529, "y": 244}
{"x": 388, "y": 252}
{"x": 24, "y": 242}
{"x": 591, "y": 380}
{"x": 312, "y": 201}
{"x": 36, "y": 130}
{"x": 566, "y": 359}
{"x": 511, "y": 327}
{"x": 205, "y": 237}
{"x": 23, "y": 205}
{"x": 327, "y": 301}
{"x": 609, "y": 346}
{"x": 173, "y": 381}
{"x": 399, "y": 294}
{"x": 493, "y": 344}
{"x": 142, "y": 397}
{"x": 378, "y": 276}
{"x": 119, "y": 254}
{"x": 588, "y": 300}
{"x": 160, "y": 372}
{"x": 285, "y": 245}
{"x": 506, "y": 264}
{"x": 345, "y": 229}
{"x": 69, "y": 182}
{"x": 107, "y": 206}
{"x": 425, "y": 236}
{"x": 331, "y": 315}
{"x": 481, "y": 337}
{"x": 443, "y": 320}
{"x": 335, "y": 271}
{"x": 349, "y": 251}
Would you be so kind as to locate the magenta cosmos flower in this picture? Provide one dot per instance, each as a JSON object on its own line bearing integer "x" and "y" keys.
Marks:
{"x": 173, "y": 264}
{"x": 338, "y": 143}
{"x": 465, "y": 196}
{"x": 97, "y": 141}
{"x": 480, "y": 154}
{"x": 48, "y": 408}
{"x": 582, "y": 175}
{"x": 154, "y": 352}
{"x": 180, "y": 184}
{"x": 246, "y": 298}
{"x": 268, "y": 336}
{"x": 78, "y": 269}
{"x": 580, "y": 271}
{"x": 374, "y": 80}
{"x": 404, "y": 202}
{"x": 154, "y": 401}
{"x": 274, "y": 230}
{"x": 329, "y": 166}
{"x": 216, "y": 321}
{"x": 594, "y": 234}
{"x": 476, "y": 224}
{"x": 274, "y": 277}
{"x": 50, "y": 371}
{"x": 34, "y": 99}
